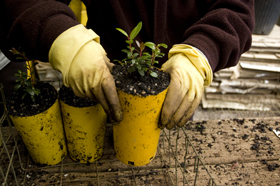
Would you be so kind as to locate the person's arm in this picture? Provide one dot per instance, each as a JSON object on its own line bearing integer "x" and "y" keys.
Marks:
{"x": 224, "y": 32}
{"x": 33, "y": 25}
{"x": 47, "y": 30}
{"x": 214, "y": 42}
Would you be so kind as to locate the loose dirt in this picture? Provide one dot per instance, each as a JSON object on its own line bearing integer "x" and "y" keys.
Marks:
{"x": 234, "y": 152}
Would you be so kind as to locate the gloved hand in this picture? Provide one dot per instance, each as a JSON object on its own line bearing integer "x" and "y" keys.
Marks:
{"x": 77, "y": 54}
{"x": 190, "y": 72}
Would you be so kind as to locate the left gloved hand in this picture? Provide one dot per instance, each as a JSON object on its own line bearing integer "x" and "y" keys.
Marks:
{"x": 84, "y": 65}
{"x": 190, "y": 72}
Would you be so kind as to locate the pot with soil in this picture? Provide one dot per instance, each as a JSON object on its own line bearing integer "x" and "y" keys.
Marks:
{"x": 85, "y": 125}
{"x": 39, "y": 123}
{"x": 142, "y": 89}
{"x": 34, "y": 110}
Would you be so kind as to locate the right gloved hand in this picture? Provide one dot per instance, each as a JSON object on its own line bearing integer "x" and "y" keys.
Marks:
{"x": 84, "y": 65}
{"x": 190, "y": 72}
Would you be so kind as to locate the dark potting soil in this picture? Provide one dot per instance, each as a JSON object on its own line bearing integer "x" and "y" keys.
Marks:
{"x": 67, "y": 95}
{"x": 135, "y": 84}
{"x": 17, "y": 106}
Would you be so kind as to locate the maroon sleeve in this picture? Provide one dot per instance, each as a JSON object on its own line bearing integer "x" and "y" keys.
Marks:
{"x": 33, "y": 25}
{"x": 224, "y": 32}
{"x": 221, "y": 29}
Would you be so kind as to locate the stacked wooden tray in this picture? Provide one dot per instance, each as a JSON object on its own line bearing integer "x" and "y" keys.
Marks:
{"x": 254, "y": 83}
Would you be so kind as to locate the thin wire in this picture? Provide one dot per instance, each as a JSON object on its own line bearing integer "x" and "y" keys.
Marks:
{"x": 61, "y": 175}
{"x": 176, "y": 154}
{"x": 97, "y": 175}
{"x": 196, "y": 165}
{"x": 185, "y": 159}
{"x": 134, "y": 176}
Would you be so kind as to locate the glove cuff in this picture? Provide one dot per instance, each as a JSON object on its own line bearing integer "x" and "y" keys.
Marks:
{"x": 197, "y": 58}
{"x": 67, "y": 45}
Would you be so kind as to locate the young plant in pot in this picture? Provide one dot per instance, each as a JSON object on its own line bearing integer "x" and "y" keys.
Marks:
{"x": 84, "y": 124}
{"x": 34, "y": 110}
{"x": 142, "y": 89}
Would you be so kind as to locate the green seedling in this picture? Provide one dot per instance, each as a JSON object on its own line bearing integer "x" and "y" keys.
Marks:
{"x": 24, "y": 81}
{"x": 137, "y": 59}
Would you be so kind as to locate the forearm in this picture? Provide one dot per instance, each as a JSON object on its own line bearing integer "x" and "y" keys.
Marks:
{"x": 34, "y": 25}
{"x": 224, "y": 33}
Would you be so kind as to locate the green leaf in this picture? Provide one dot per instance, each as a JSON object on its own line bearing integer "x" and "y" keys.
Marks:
{"x": 30, "y": 91}
{"x": 162, "y": 45}
{"x": 33, "y": 98}
{"x": 24, "y": 76}
{"x": 153, "y": 74}
{"x": 141, "y": 72}
{"x": 125, "y": 50}
{"x": 148, "y": 62}
{"x": 129, "y": 54}
{"x": 131, "y": 69}
{"x": 19, "y": 57}
{"x": 133, "y": 61}
{"x": 122, "y": 31}
{"x": 135, "y": 31}
{"x": 151, "y": 45}
{"x": 17, "y": 86}
{"x": 155, "y": 61}
{"x": 142, "y": 46}
{"x": 24, "y": 73}
{"x": 146, "y": 58}
{"x": 37, "y": 91}
{"x": 141, "y": 61}
{"x": 147, "y": 54}
{"x": 125, "y": 59}
{"x": 138, "y": 66}
{"x": 28, "y": 82}
{"x": 22, "y": 97}
{"x": 135, "y": 55}
{"x": 156, "y": 51}
{"x": 129, "y": 41}
{"x": 145, "y": 69}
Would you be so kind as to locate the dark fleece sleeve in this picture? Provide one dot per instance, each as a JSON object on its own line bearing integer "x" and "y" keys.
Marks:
{"x": 221, "y": 29}
{"x": 224, "y": 32}
{"x": 33, "y": 25}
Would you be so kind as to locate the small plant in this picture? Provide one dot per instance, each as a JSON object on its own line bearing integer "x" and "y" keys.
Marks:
{"x": 137, "y": 59}
{"x": 25, "y": 81}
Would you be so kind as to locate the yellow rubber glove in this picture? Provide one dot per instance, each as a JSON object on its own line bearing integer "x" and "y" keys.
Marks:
{"x": 190, "y": 72}
{"x": 84, "y": 65}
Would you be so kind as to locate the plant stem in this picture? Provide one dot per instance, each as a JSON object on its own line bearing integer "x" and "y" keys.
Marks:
{"x": 152, "y": 63}
{"x": 29, "y": 66}
{"x": 130, "y": 46}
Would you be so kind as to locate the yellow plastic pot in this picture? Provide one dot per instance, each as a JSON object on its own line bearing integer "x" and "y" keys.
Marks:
{"x": 136, "y": 136}
{"x": 85, "y": 131}
{"x": 43, "y": 135}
